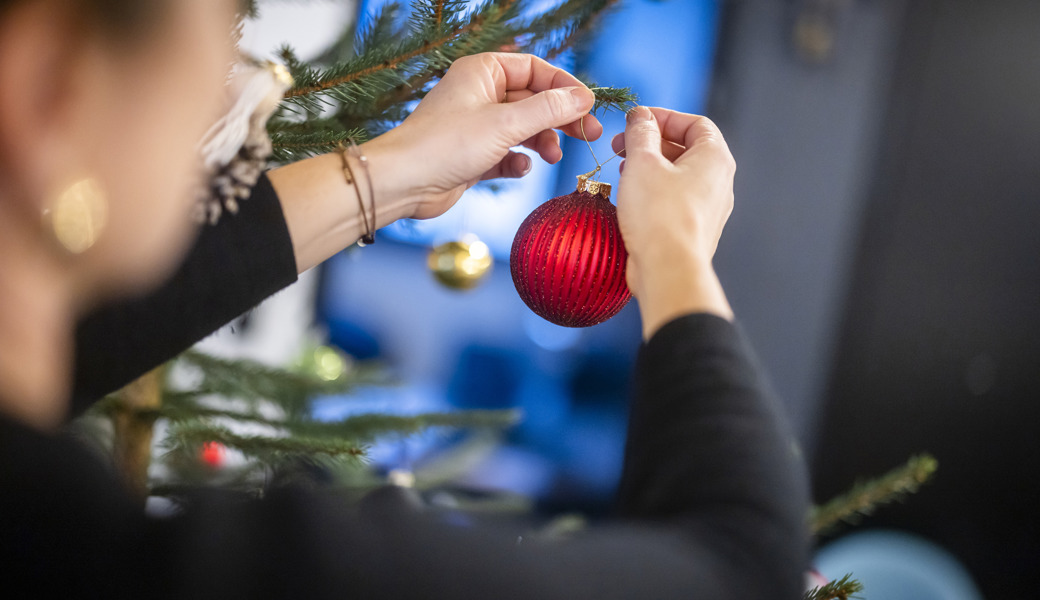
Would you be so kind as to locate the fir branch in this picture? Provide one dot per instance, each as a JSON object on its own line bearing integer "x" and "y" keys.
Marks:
{"x": 249, "y": 9}
{"x": 612, "y": 98}
{"x": 381, "y": 29}
{"x": 189, "y": 436}
{"x": 381, "y": 68}
{"x": 280, "y": 124}
{"x": 567, "y": 14}
{"x": 288, "y": 146}
{"x": 431, "y": 16}
{"x": 370, "y": 426}
{"x": 551, "y": 33}
{"x": 372, "y": 86}
{"x": 357, "y": 69}
{"x": 183, "y": 408}
{"x": 864, "y": 498}
{"x": 842, "y": 589}
{"x": 252, "y": 381}
{"x": 412, "y": 89}
{"x": 438, "y": 12}
{"x": 299, "y": 70}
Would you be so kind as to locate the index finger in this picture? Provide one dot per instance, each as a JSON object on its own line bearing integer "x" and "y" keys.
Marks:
{"x": 588, "y": 127}
{"x": 528, "y": 72}
{"x": 686, "y": 129}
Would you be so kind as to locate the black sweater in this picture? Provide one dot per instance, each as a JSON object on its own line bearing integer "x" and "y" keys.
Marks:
{"x": 711, "y": 505}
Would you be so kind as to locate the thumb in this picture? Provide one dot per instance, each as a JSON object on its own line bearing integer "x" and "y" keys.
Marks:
{"x": 642, "y": 134}
{"x": 548, "y": 109}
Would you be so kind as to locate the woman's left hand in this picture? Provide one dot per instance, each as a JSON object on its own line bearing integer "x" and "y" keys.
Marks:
{"x": 463, "y": 130}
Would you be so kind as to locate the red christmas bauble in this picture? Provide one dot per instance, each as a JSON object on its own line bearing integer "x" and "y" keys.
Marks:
{"x": 568, "y": 259}
{"x": 212, "y": 454}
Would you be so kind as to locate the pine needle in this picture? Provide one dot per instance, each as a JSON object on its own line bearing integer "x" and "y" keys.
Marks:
{"x": 613, "y": 99}
{"x": 865, "y": 497}
{"x": 842, "y": 589}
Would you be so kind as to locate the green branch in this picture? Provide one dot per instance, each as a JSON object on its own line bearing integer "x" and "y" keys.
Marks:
{"x": 189, "y": 436}
{"x": 842, "y": 589}
{"x": 381, "y": 29}
{"x": 555, "y": 31}
{"x": 613, "y": 99}
{"x": 184, "y": 408}
{"x": 252, "y": 381}
{"x": 370, "y": 426}
{"x": 438, "y": 13}
{"x": 864, "y": 498}
{"x": 288, "y": 146}
{"x": 389, "y": 62}
{"x": 248, "y": 8}
{"x": 305, "y": 438}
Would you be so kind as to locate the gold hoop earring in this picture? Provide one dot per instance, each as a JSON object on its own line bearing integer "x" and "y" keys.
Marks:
{"x": 79, "y": 215}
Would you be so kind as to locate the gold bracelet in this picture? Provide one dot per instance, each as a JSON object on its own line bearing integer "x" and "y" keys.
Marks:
{"x": 369, "y": 236}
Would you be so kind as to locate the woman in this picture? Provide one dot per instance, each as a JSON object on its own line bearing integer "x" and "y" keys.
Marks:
{"x": 106, "y": 99}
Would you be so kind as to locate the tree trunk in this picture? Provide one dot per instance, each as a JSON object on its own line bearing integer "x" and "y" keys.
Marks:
{"x": 133, "y": 423}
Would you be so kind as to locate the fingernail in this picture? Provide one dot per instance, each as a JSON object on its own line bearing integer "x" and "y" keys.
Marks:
{"x": 525, "y": 164}
{"x": 580, "y": 95}
{"x": 638, "y": 114}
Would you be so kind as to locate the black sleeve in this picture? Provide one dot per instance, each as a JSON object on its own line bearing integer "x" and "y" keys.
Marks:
{"x": 713, "y": 504}
{"x": 233, "y": 265}
{"x": 708, "y": 448}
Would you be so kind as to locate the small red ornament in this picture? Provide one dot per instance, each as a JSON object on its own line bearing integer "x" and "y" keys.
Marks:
{"x": 212, "y": 454}
{"x": 568, "y": 258}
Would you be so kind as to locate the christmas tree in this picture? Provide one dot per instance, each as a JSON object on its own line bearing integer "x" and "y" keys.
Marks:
{"x": 363, "y": 84}
{"x": 367, "y": 81}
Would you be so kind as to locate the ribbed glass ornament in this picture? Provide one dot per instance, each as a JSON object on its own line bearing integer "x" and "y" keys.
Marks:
{"x": 568, "y": 258}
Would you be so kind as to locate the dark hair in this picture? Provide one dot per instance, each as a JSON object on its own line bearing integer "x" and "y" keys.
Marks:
{"x": 117, "y": 20}
{"x": 125, "y": 16}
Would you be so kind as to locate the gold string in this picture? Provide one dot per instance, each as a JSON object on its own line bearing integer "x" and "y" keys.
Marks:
{"x": 599, "y": 166}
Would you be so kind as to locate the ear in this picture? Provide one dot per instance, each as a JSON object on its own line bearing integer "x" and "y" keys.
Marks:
{"x": 38, "y": 60}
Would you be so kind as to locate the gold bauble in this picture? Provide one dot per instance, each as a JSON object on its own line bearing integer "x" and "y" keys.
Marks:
{"x": 460, "y": 265}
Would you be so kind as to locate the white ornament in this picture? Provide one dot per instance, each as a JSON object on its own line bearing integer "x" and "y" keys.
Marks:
{"x": 235, "y": 149}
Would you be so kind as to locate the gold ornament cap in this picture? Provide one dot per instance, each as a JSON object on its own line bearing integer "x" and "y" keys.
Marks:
{"x": 596, "y": 188}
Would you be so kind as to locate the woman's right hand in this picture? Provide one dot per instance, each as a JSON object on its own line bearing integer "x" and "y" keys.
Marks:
{"x": 675, "y": 196}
